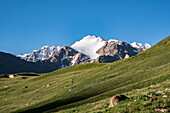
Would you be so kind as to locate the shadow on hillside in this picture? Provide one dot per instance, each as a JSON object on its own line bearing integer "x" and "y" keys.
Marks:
{"x": 52, "y": 106}
{"x": 4, "y": 76}
{"x": 27, "y": 74}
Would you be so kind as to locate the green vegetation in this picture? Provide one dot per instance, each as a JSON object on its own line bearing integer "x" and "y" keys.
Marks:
{"x": 138, "y": 101}
{"x": 78, "y": 88}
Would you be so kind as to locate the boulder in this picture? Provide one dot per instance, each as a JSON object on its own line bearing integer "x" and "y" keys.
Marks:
{"x": 5, "y": 87}
{"x": 117, "y": 98}
{"x": 27, "y": 104}
{"x": 71, "y": 81}
{"x": 48, "y": 85}
{"x": 12, "y": 76}
{"x": 164, "y": 96}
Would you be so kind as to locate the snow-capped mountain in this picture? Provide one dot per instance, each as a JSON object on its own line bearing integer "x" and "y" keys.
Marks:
{"x": 88, "y": 49}
{"x": 68, "y": 57}
{"x": 89, "y": 45}
{"x": 114, "y": 50}
{"x": 40, "y": 54}
{"x": 141, "y": 46}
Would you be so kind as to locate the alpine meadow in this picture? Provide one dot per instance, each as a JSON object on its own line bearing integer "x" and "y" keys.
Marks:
{"x": 88, "y": 87}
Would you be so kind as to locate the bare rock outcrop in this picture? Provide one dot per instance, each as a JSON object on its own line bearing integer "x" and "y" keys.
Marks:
{"x": 115, "y": 50}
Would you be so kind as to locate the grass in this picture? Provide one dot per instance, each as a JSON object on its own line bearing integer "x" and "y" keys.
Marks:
{"x": 91, "y": 83}
{"x": 139, "y": 99}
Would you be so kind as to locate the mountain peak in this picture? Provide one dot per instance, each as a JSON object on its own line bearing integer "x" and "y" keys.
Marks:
{"x": 88, "y": 37}
{"x": 140, "y": 45}
{"x": 114, "y": 40}
{"x": 89, "y": 45}
{"x": 41, "y": 54}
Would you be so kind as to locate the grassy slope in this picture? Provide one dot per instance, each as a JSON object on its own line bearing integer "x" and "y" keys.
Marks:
{"x": 91, "y": 82}
{"x": 139, "y": 99}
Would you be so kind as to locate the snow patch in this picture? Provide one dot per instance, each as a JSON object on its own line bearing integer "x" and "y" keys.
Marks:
{"x": 23, "y": 55}
{"x": 110, "y": 40}
{"x": 40, "y": 54}
{"x": 89, "y": 45}
{"x": 139, "y": 45}
{"x": 147, "y": 46}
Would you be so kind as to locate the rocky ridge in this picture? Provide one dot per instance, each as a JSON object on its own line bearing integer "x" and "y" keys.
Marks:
{"x": 88, "y": 49}
{"x": 40, "y": 54}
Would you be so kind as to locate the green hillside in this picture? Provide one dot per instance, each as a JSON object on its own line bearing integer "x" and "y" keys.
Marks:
{"x": 79, "y": 87}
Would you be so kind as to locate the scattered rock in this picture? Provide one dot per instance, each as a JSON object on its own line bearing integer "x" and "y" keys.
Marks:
{"x": 69, "y": 89}
{"x": 108, "y": 67}
{"x": 48, "y": 85}
{"x": 159, "y": 92}
{"x": 167, "y": 89}
{"x": 27, "y": 104}
{"x": 12, "y": 76}
{"x": 152, "y": 86}
{"x": 71, "y": 80}
{"x": 152, "y": 100}
{"x": 5, "y": 86}
{"x": 99, "y": 105}
{"x": 135, "y": 100}
{"x": 163, "y": 93}
{"x": 161, "y": 110}
{"x": 26, "y": 86}
{"x": 165, "y": 96}
{"x": 130, "y": 104}
{"x": 117, "y": 98}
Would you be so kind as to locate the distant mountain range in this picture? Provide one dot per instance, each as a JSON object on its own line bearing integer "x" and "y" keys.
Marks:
{"x": 88, "y": 49}
{"x": 88, "y": 46}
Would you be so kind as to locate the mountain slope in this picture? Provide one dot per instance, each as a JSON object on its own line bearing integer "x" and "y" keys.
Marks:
{"x": 165, "y": 41}
{"x": 88, "y": 49}
{"x": 86, "y": 83}
{"x": 12, "y": 64}
{"x": 115, "y": 50}
{"x": 65, "y": 57}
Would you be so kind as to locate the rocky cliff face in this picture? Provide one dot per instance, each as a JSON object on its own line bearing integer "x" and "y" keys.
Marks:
{"x": 115, "y": 50}
{"x": 67, "y": 57}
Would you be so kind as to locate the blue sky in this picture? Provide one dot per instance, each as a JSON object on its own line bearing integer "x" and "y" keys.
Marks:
{"x": 26, "y": 25}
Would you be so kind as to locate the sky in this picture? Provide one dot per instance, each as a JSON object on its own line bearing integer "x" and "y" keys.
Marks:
{"x": 27, "y": 25}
